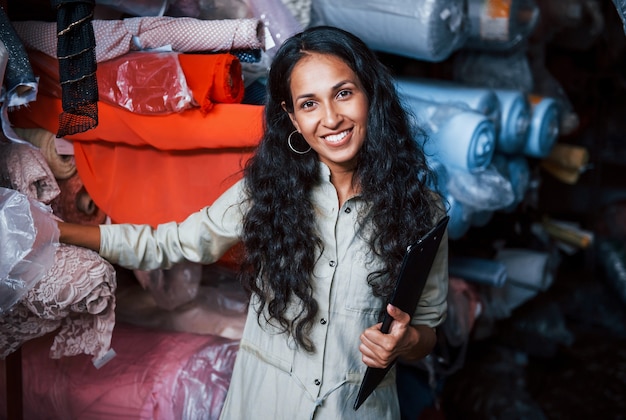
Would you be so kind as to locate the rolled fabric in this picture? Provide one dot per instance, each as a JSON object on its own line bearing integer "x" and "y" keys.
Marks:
{"x": 515, "y": 119}
{"x": 156, "y": 82}
{"x": 478, "y": 270}
{"x": 26, "y": 170}
{"x": 428, "y": 30}
{"x": 480, "y": 99}
{"x": 456, "y": 137}
{"x": 544, "y": 126}
{"x": 118, "y": 37}
{"x": 528, "y": 268}
{"x": 213, "y": 78}
{"x": 75, "y": 205}
{"x": 500, "y": 24}
{"x": 62, "y": 166}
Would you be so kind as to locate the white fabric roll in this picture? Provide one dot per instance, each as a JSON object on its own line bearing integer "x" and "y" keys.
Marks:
{"x": 423, "y": 29}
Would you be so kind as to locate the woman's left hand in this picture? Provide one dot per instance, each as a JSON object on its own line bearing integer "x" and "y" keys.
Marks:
{"x": 379, "y": 349}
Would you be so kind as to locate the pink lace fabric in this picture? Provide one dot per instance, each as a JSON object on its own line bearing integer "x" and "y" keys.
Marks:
{"x": 76, "y": 296}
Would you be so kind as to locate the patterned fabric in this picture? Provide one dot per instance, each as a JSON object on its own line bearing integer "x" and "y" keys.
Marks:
{"x": 19, "y": 81}
{"x": 117, "y": 37}
{"x": 77, "y": 66}
{"x": 75, "y": 296}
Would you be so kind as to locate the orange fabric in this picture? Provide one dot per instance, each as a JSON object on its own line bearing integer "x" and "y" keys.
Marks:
{"x": 145, "y": 185}
{"x": 213, "y": 78}
{"x": 226, "y": 126}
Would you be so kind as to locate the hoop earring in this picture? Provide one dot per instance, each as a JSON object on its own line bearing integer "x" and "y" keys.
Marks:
{"x": 300, "y": 152}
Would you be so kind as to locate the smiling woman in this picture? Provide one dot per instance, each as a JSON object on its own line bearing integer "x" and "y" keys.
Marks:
{"x": 330, "y": 112}
{"x": 320, "y": 225}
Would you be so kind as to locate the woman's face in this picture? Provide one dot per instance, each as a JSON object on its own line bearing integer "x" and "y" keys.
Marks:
{"x": 330, "y": 109}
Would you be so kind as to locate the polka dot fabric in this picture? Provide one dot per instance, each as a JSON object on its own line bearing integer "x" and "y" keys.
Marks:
{"x": 117, "y": 37}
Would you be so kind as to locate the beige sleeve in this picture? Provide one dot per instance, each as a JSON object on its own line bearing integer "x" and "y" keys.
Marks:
{"x": 202, "y": 237}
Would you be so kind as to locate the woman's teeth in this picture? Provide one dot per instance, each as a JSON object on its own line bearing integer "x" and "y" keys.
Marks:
{"x": 337, "y": 137}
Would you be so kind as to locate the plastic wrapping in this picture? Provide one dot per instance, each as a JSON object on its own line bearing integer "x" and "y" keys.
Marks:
{"x": 173, "y": 287}
{"x": 515, "y": 168}
{"x": 140, "y": 82}
{"x": 428, "y": 30}
{"x": 145, "y": 83}
{"x": 457, "y": 137}
{"x": 28, "y": 234}
{"x": 156, "y": 375}
{"x": 484, "y": 190}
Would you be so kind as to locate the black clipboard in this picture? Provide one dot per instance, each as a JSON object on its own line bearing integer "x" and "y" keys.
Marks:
{"x": 416, "y": 266}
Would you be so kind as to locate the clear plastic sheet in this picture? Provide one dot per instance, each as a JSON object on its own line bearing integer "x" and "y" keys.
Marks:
{"x": 145, "y": 83}
{"x": 173, "y": 287}
{"x": 484, "y": 190}
{"x": 28, "y": 234}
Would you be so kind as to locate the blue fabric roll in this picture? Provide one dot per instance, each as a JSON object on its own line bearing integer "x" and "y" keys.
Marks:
{"x": 544, "y": 127}
{"x": 515, "y": 120}
{"x": 479, "y": 99}
{"x": 464, "y": 139}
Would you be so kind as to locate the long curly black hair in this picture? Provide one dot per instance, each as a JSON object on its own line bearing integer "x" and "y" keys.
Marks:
{"x": 279, "y": 234}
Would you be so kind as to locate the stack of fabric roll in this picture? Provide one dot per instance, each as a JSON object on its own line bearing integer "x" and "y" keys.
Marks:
{"x": 481, "y": 138}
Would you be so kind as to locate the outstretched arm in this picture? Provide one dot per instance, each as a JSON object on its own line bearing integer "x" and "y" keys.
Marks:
{"x": 406, "y": 341}
{"x": 87, "y": 236}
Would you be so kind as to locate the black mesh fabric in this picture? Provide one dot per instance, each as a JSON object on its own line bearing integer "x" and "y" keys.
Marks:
{"x": 77, "y": 66}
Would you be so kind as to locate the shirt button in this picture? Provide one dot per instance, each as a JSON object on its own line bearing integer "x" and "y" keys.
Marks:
{"x": 332, "y": 263}
{"x": 348, "y": 210}
{"x": 317, "y": 382}
{"x": 323, "y": 321}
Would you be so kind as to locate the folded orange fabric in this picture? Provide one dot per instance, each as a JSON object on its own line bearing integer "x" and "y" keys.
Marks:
{"x": 144, "y": 185}
{"x": 226, "y": 126}
{"x": 213, "y": 78}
